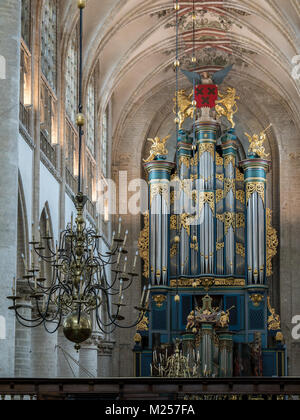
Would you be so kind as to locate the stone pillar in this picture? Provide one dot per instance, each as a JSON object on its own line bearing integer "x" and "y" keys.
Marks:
{"x": 44, "y": 353}
{"x": 105, "y": 350}
{"x": 10, "y": 35}
{"x": 23, "y": 342}
{"x": 88, "y": 356}
{"x": 67, "y": 358}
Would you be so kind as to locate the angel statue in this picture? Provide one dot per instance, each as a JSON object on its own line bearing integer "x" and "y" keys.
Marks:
{"x": 185, "y": 107}
{"x": 257, "y": 143}
{"x": 158, "y": 148}
{"x": 207, "y": 79}
{"x": 227, "y": 106}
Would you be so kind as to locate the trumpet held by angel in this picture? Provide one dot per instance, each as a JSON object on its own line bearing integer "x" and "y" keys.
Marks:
{"x": 158, "y": 148}
{"x": 257, "y": 143}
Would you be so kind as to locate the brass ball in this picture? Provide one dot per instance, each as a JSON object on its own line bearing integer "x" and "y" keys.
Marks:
{"x": 177, "y": 6}
{"x": 176, "y": 63}
{"x": 195, "y": 285}
{"x": 195, "y": 238}
{"x": 194, "y": 147}
{"x": 194, "y": 330}
{"x": 194, "y": 59}
{"x": 194, "y": 103}
{"x": 77, "y": 332}
{"x": 177, "y": 120}
{"x": 177, "y": 239}
{"x": 177, "y": 298}
{"x": 81, "y": 4}
{"x": 80, "y": 120}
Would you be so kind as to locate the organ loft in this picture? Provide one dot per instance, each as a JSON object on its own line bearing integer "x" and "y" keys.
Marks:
{"x": 208, "y": 244}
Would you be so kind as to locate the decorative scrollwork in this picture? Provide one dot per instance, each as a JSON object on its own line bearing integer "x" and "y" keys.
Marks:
{"x": 143, "y": 325}
{"x": 159, "y": 300}
{"x": 274, "y": 323}
{"x": 220, "y": 246}
{"x": 162, "y": 189}
{"x": 241, "y": 196}
{"x": 173, "y": 222}
{"x": 256, "y": 299}
{"x": 185, "y": 160}
{"x": 229, "y": 185}
{"x": 220, "y": 177}
{"x": 239, "y": 175}
{"x": 240, "y": 220}
{"x": 206, "y": 147}
{"x": 207, "y": 197}
{"x": 272, "y": 242}
{"x": 252, "y": 187}
{"x": 229, "y": 159}
{"x": 229, "y": 220}
{"x": 219, "y": 160}
{"x": 173, "y": 250}
{"x": 240, "y": 250}
{"x": 143, "y": 245}
{"x": 219, "y": 195}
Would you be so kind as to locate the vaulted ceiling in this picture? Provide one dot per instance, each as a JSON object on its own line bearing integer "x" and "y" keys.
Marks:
{"x": 135, "y": 43}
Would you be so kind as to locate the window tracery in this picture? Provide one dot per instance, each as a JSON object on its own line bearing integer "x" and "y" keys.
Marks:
{"x": 49, "y": 42}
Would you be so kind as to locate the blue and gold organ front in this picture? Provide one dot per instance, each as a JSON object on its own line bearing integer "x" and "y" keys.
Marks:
{"x": 207, "y": 246}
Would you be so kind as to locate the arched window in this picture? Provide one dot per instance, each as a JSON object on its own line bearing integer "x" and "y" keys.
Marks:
{"x": 26, "y": 22}
{"x": 45, "y": 229}
{"x": 90, "y": 112}
{"x": 71, "y": 78}
{"x": 104, "y": 144}
{"x": 49, "y": 42}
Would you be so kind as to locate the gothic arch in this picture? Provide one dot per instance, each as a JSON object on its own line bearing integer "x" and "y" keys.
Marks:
{"x": 23, "y": 236}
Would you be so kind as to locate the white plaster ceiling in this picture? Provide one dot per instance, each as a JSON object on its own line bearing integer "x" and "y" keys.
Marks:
{"x": 134, "y": 40}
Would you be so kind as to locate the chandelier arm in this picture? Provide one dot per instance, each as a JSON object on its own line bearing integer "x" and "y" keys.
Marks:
{"x": 20, "y": 318}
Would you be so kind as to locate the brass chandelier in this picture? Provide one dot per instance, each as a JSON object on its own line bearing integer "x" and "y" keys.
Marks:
{"x": 79, "y": 295}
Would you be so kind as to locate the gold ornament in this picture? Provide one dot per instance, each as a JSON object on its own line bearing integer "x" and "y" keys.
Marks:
{"x": 240, "y": 250}
{"x": 227, "y": 105}
{"x": 173, "y": 250}
{"x": 257, "y": 143}
{"x": 137, "y": 338}
{"x": 143, "y": 245}
{"x": 185, "y": 107}
{"x": 229, "y": 185}
{"x": 240, "y": 195}
{"x": 252, "y": 187}
{"x": 177, "y": 298}
{"x": 77, "y": 331}
{"x": 257, "y": 299}
{"x": 274, "y": 323}
{"x": 80, "y": 120}
{"x": 209, "y": 198}
{"x": 206, "y": 147}
{"x": 160, "y": 188}
{"x": 81, "y": 4}
{"x": 229, "y": 220}
{"x": 240, "y": 220}
{"x": 143, "y": 324}
{"x": 272, "y": 243}
{"x": 177, "y": 239}
{"x": 158, "y": 148}
{"x": 159, "y": 300}
{"x": 219, "y": 160}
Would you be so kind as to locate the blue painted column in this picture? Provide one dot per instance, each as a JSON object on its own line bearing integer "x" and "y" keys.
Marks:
{"x": 255, "y": 171}
{"x": 229, "y": 155}
{"x": 159, "y": 172}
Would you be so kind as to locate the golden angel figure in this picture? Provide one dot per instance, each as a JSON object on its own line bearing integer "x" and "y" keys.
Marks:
{"x": 158, "y": 148}
{"x": 257, "y": 143}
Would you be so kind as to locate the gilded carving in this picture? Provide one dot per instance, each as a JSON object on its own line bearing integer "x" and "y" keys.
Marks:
{"x": 185, "y": 107}
{"x": 173, "y": 250}
{"x": 206, "y": 147}
{"x": 219, "y": 160}
{"x": 219, "y": 246}
{"x": 240, "y": 220}
{"x": 219, "y": 195}
{"x": 220, "y": 177}
{"x": 229, "y": 184}
{"x": 227, "y": 106}
{"x": 274, "y": 323}
{"x": 252, "y": 187}
{"x": 256, "y": 143}
{"x": 256, "y": 299}
{"x": 143, "y": 324}
{"x": 185, "y": 160}
{"x": 218, "y": 282}
{"x": 207, "y": 197}
{"x": 159, "y": 300}
{"x": 173, "y": 222}
{"x": 158, "y": 148}
{"x": 229, "y": 159}
{"x": 229, "y": 220}
{"x": 143, "y": 245}
{"x": 239, "y": 175}
{"x": 160, "y": 189}
{"x": 272, "y": 242}
{"x": 240, "y": 250}
{"x": 241, "y": 196}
